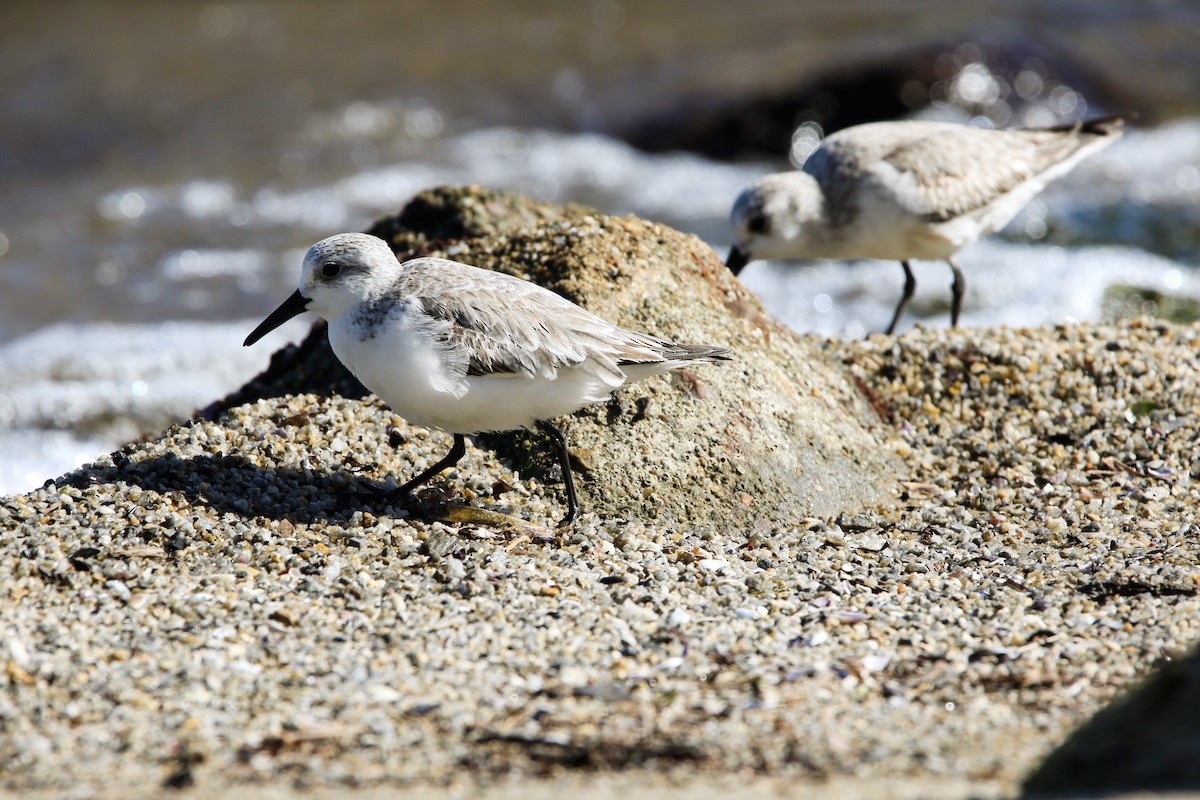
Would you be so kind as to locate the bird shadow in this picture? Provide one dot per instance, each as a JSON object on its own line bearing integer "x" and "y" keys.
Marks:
{"x": 231, "y": 484}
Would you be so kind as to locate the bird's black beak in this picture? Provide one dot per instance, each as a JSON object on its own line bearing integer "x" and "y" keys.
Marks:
{"x": 294, "y": 306}
{"x": 737, "y": 259}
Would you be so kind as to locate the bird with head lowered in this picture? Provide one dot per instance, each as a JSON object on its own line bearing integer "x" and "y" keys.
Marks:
{"x": 467, "y": 350}
{"x": 906, "y": 190}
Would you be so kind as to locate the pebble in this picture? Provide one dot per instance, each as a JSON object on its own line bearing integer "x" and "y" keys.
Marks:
{"x": 204, "y": 593}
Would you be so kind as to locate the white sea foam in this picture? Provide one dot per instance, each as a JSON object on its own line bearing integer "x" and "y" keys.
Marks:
{"x": 1008, "y": 283}
{"x": 73, "y": 392}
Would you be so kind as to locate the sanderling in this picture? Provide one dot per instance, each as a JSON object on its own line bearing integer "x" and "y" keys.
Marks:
{"x": 467, "y": 350}
{"x": 906, "y": 190}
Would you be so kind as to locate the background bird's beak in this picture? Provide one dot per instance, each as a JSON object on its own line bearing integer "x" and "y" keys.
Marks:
{"x": 294, "y": 306}
{"x": 736, "y": 260}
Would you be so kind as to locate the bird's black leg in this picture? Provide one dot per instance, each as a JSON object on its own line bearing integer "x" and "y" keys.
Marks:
{"x": 564, "y": 459}
{"x": 910, "y": 286}
{"x": 958, "y": 288}
{"x": 457, "y": 451}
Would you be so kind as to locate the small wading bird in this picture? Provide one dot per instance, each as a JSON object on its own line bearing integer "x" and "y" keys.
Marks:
{"x": 467, "y": 350}
{"x": 906, "y": 190}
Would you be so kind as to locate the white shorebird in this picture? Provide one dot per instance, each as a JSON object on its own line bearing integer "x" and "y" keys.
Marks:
{"x": 906, "y": 190}
{"x": 467, "y": 350}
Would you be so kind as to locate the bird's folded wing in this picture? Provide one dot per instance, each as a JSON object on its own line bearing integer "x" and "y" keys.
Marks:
{"x": 960, "y": 171}
{"x": 489, "y": 323}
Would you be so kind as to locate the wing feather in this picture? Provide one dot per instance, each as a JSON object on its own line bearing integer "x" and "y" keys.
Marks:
{"x": 490, "y": 323}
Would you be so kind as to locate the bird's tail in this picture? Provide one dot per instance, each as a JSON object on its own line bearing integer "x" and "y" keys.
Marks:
{"x": 660, "y": 355}
{"x": 694, "y": 352}
{"x": 1100, "y": 126}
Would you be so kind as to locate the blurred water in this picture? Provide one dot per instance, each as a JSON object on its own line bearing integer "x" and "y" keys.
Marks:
{"x": 163, "y": 174}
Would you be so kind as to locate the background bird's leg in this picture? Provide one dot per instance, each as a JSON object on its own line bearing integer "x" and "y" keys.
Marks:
{"x": 910, "y": 286}
{"x": 958, "y": 288}
{"x": 564, "y": 458}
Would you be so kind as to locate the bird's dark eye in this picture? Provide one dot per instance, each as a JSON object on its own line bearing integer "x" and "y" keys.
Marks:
{"x": 331, "y": 269}
{"x": 757, "y": 223}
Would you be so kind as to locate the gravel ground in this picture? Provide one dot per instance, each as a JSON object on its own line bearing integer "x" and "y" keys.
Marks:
{"x": 199, "y": 610}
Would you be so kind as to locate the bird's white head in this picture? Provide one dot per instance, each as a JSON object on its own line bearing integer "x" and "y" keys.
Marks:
{"x": 338, "y": 274}
{"x": 775, "y": 217}
{"x": 344, "y": 270}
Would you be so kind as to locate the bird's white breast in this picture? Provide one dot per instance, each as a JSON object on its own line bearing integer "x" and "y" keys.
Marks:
{"x": 394, "y": 358}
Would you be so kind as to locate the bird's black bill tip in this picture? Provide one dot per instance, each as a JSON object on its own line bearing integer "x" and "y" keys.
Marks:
{"x": 736, "y": 260}
{"x": 294, "y": 306}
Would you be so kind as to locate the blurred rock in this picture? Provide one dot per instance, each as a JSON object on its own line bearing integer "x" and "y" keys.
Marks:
{"x": 1010, "y": 82}
{"x": 1148, "y": 740}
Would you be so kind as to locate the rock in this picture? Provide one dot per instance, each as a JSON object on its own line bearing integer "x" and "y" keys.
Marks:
{"x": 776, "y": 433}
{"x": 1148, "y": 740}
{"x": 761, "y": 121}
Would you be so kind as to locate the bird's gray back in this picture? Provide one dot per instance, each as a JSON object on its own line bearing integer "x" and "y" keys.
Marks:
{"x": 488, "y": 323}
{"x": 939, "y": 171}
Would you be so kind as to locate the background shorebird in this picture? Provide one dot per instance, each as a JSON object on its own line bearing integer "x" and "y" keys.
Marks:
{"x": 906, "y": 190}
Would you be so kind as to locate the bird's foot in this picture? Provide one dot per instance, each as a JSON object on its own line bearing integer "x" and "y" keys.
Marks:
{"x": 568, "y": 521}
